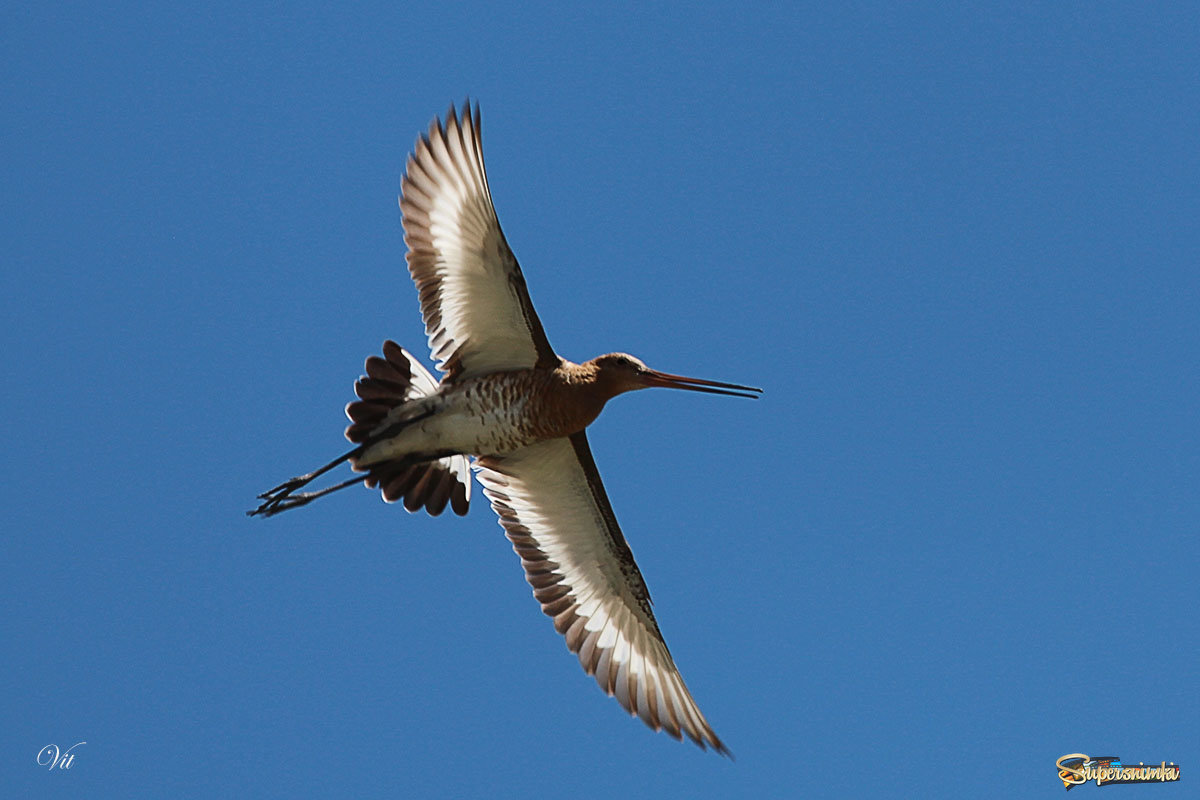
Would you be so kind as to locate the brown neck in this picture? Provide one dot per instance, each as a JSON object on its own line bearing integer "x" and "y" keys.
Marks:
{"x": 575, "y": 397}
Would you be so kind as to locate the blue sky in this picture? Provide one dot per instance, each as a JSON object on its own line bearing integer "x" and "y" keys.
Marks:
{"x": 955, "y": 540}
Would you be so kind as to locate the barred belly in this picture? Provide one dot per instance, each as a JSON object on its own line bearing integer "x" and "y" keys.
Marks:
{"x": 481, "y": 416}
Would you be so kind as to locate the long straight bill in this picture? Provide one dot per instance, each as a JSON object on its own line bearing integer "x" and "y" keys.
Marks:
{"x": 664, "y": 379}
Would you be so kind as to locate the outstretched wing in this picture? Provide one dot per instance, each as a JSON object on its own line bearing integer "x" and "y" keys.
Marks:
{"x": 477, "y": 311}
{"x": 556, "y": 513}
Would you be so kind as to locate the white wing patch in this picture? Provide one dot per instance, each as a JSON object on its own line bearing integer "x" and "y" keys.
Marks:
{"x": 476, "y": 308}
{"x": 555, "y": 512}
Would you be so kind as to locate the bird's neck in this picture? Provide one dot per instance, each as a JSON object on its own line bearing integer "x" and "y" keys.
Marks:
{"x": 572, "y": 399}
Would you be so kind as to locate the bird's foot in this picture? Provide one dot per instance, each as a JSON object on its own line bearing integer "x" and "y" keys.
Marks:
{"x": 276, "y": 505}
{"x": 280, "y": 498}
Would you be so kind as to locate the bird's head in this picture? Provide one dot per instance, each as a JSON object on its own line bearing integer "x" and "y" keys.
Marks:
{"x": 621, "y": 372}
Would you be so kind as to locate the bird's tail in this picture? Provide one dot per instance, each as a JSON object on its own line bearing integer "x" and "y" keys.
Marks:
{"x": 391, "y": 381}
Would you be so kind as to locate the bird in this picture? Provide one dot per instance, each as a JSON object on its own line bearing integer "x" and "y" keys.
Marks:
{"x": 510, "y": 409}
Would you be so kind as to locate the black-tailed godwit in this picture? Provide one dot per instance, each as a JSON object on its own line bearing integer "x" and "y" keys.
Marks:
{"x": 510, "y": 403}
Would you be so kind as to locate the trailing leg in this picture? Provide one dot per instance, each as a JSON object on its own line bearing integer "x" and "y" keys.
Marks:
{"x": 273, "y": 499}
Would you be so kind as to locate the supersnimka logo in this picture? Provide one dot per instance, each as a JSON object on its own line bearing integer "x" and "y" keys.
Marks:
{"x": 1078, "y": 768}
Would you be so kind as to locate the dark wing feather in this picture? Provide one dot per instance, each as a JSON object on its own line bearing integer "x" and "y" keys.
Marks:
{"x": 391, "y": 381}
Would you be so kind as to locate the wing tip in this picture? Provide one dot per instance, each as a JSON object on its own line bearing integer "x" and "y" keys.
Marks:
{"x": 467, "y": 116}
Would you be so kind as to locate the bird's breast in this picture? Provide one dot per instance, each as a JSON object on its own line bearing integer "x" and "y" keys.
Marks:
{"x": 524, "y": 407}
{"x": 492, "y": 415}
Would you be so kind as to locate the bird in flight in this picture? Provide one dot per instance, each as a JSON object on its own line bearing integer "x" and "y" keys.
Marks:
{"x": 519, "y": 410}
